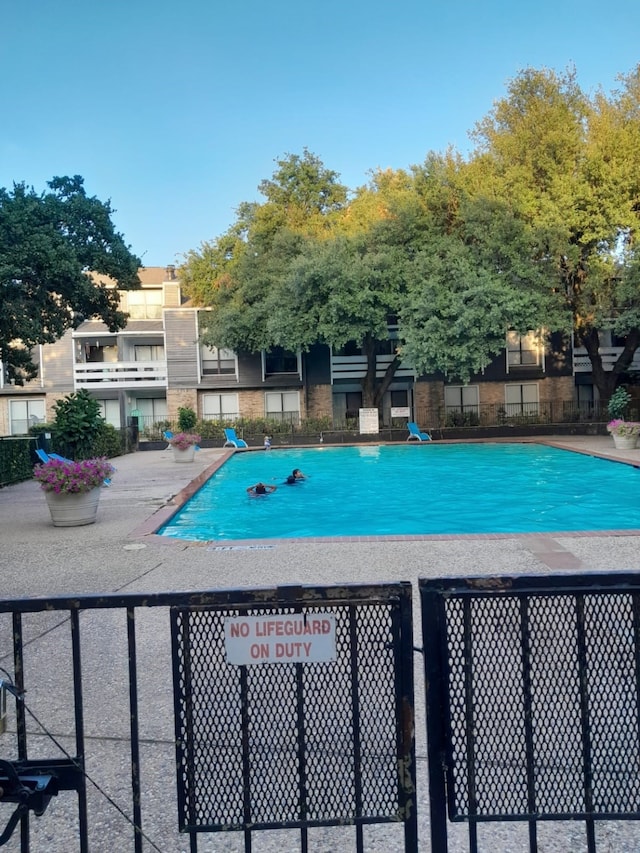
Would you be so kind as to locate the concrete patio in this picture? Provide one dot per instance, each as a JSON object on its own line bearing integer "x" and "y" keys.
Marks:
{"x": 120, "y": 554}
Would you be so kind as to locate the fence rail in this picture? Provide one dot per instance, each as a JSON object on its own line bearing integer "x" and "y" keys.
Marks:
{"x": 294, "y": 738}
{"x": 533, "y": 691}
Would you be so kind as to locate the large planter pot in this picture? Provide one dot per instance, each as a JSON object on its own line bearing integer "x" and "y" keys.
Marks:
{"x": 73, "y": 510}
{"x": 625, "y": 442}
{"x": 185, "y": 455}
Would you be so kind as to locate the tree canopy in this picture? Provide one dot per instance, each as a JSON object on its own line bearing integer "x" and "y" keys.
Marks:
{"x": 50, "y": 244}
{"x": 568, "y": 166}
{"x": 535, "y": 230}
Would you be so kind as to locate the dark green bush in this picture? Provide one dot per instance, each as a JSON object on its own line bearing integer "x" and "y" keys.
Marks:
{"x": 77, "y": 424}
{"x": 187, "y": 419}
{"x": 108, "y": 442}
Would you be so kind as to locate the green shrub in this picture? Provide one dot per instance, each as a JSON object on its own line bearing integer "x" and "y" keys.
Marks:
{"x": 187, "y": 419}
{"x": 210, "y": 429}
{"x": 108, "y": 442}
{"x": 77, "y": 425}
{"x": 618, "y": 403}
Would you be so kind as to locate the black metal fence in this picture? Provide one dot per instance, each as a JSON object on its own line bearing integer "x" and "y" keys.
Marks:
{"x": 292, "y": 709}
{"x": 533, "y": 701}
{"x": 290, "y": 427}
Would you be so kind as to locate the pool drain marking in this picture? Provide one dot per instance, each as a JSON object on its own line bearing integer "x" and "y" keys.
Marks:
{"x": 241, "y": 548}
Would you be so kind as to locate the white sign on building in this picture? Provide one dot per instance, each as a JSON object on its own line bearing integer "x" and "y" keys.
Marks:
{"x": 280, "y": 638}
{"x": 369, "y": 421}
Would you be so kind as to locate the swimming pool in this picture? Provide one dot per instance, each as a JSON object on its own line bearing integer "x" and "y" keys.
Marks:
{"x": 412, "y": 490}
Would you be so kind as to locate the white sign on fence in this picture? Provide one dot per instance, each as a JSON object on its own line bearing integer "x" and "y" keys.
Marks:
{"x": 280, "y": 638}
{"x": 369, "y": 421}
{"x": 400, "y": 411}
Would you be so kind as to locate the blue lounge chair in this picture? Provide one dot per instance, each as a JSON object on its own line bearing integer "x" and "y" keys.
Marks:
{"x": 415, "y": 432}
{"x": 43, "y": 456}
{"x": 59, "y": 458}
{"x": 232, "y": 439}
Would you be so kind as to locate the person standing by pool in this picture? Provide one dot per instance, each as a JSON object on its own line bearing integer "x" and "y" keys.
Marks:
{"x": 267, "y": 442}
{"x": 261, "y": 489}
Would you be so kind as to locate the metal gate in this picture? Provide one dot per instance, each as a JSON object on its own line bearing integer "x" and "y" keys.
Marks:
{"x": 533, "y": 701}
{"x": 307, "y": 727}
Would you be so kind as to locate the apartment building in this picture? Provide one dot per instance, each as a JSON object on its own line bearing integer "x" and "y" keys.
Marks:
{"x": 156, "y": 364}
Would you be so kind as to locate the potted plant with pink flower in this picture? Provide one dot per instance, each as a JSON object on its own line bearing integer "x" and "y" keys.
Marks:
{"x": 184, "y": 445}
{"x": 72, "y": 489}
{"x": 624, "y": 433}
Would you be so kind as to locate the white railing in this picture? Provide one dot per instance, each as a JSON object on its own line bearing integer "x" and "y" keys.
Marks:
{"x": 120, "y": 374}
{"x": 355, "y": 367}
{"x": 582, "y": 363}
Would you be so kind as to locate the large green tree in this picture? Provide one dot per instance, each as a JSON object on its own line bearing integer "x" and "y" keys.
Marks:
{"x": 476, "y": 272}
{"x": 60, "y": 256}
{"x": 559, "y": 173}
{"x": 308, "y": 266}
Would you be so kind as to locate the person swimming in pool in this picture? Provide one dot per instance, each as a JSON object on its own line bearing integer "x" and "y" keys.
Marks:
{"x": 295, "y": 477}
{"x": 261, "y": 489}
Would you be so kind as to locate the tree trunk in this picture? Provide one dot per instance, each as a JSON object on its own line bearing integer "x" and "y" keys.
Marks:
{"x": 606, "y": 380}
{"x": 373, "y": 392}
{"x": 369, "y": 379}
{"x": 386, "y": 380}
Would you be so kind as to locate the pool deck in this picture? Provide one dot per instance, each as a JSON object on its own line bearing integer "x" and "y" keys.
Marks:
{"x": 121, "y": 553}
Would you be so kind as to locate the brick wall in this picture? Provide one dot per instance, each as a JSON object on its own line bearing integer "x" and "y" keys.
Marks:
{"x": 319, "y": 401}
{"x": 185, "y": 398}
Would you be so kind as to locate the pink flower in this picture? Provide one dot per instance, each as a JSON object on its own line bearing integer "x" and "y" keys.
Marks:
{"x": 184, "y": 440}
{"x": 623, "y": 428}
{"x": 66, "y": 477}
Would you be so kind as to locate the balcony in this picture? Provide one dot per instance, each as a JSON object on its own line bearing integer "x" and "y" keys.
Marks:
{"x": 355, "y": 367}
{"x": 120, "y": 374}
{"x": 581, "y": 363}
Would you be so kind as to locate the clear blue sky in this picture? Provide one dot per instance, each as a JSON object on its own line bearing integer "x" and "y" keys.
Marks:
{"x": 177, "y": 111}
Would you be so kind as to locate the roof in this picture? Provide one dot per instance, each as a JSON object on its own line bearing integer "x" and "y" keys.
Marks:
{"x": 148, "y": 276}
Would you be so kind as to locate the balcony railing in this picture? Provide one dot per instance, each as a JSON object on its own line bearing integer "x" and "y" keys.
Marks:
{"x": 582, "y": 363}
{"x": 120, "y": 374}
{"x": 355, "y": 367}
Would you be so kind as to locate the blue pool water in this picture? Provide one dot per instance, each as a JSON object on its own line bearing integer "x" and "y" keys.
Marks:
{"x": 412, "y": 489}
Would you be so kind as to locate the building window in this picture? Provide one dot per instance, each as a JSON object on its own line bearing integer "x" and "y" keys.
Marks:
{"x": 144, "y": 304}
{"x": 220, "y": 407}
{"x": 523, "y": 350}
{"x": 279, "y": 360}
{"x": 399, "y": 399}
{"x": 218, "y": 362}
{"x": 521, "y": 399}
{"x": 24, "y": 414}
{"x": 152, "y": 410}
{"x": 282, "y": 406}
{"x": 148, "y": 352}
{"x": 353, "y": 404}
{"x": 462, "y": 405}
{"x": 110, "y": 411}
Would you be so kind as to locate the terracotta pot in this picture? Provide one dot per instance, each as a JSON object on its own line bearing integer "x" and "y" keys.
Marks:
{"x": 184, "y": 455}
{"x": 73, "y": 510}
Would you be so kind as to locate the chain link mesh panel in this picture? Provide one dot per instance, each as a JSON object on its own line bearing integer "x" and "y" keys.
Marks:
{"x": 296, "y": 744}
{"x": 540, "y": 697}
